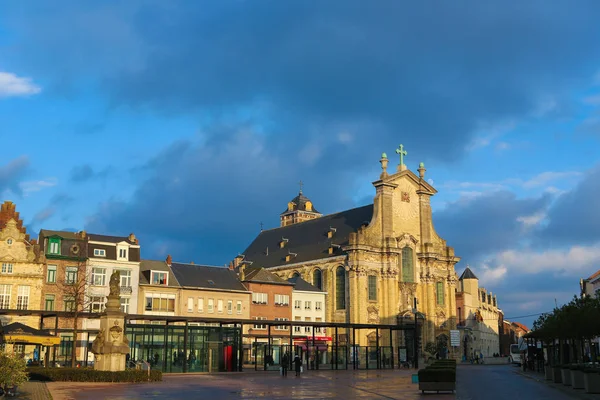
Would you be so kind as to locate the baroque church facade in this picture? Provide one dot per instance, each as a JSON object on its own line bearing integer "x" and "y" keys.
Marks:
{"x": 372, "y": 261}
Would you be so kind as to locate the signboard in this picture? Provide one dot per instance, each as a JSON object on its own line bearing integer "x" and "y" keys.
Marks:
{"x": 455, "y": 338}
{"x": 402, "y": 355}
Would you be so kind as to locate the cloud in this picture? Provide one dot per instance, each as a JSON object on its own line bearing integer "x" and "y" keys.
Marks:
{"x": 28, "y": 187}
{"x": 12, "y": 173}
{"x": 339, "y": 63}
{"x": 85, "y": 173}
{"x": 545, "y": 178}
{"x": 575, "y": 217}
{"x": 57, "y": 202}
{"x": 573, "y": 261}
{"x": 532, "y": 220}
{"x": 13, "y": 86}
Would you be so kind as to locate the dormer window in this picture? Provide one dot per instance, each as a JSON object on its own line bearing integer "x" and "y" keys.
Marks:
{"x": 283, "y": 242}
{"x": 54, "y": 246}
{"x": 290, "y": 256}
{"x": 330, "y": 232}
{"x": 159, "y": 278}
{"x": 308, "y": 206}
{"x": 99, "y": 253}
{"x": 123, "y": 253}
{"x": 291, "y": 206}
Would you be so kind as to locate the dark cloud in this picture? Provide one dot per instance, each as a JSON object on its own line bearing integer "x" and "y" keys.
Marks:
{"x": 575, "y": 218}
{"x": 485, "y": 224}
{"x": 56, "y": 203}
{"x": 85, "y": 173}
{"x": 12, "y": 173}
{"x": 424, "y": 75}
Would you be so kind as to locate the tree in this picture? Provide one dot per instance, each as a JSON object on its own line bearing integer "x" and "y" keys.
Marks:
{"x": 12, "y": 369}
{"x": 75, "y": 292}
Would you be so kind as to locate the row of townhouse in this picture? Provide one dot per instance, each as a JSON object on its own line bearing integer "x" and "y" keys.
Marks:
{"x": 70, "y": 271}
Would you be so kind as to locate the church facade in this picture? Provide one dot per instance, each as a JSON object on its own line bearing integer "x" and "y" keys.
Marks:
{"x": 373, "y": 261}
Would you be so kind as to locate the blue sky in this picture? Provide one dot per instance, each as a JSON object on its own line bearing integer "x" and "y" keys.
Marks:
{"x": 189, "y": 123}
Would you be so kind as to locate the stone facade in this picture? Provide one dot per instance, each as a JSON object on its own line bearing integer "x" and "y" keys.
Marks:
{"x": 479, "y": 317}
{"x": 395, "y": 254}
{"x": 21, "y": 273}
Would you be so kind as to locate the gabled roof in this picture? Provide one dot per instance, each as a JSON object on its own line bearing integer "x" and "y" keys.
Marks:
{"x": 261, "y": 275}
{"x": 152, "y": 265}
{"x": 207, "y": 277}
{"x": 303, "y": 286}
{"x": 8, "y": 211}
{"x": 110, "y": 239}
{"x": 468, "y": 274}
{"x": 594, "y": 276}
{"x": 307, "y": 240}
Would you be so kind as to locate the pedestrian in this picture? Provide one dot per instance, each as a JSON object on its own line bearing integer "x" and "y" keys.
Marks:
{"x": 285, "y": 363}
{"x": 297, "y": 364}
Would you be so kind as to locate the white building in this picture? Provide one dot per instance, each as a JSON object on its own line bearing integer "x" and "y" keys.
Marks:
{"x": 591, "y": 285}
{"x": 308, "y": 306}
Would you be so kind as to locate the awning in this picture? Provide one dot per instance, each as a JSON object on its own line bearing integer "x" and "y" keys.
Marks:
{"x": 17, "y": 333}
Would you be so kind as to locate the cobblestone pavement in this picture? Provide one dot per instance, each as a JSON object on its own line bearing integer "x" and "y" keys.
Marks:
{"x": 253, "y": 385}
{"x": 33, "y": 391}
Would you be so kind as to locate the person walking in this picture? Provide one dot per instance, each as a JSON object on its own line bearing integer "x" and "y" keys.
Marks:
{"x": 285, "y": 363}
{"x": 297, "y": 364}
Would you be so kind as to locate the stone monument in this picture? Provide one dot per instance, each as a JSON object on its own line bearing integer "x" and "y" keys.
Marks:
{"x": 111, "y": 345}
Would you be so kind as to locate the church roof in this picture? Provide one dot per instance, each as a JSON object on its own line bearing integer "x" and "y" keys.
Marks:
{"x": 300, "y": 204}
{"x": 303, "y": 286}
{"x": 307, "y": 240}
{"x": 468, "y": 274}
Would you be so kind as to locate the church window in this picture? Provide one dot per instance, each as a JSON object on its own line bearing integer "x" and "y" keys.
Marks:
{"x": 372, "y": 287}
{"x": 407, "y": 265}
{"x": 440, "y": 293}
{"x": 340, "y": 288}
{"x": 318, "y": 278}
{"x": 296, "y": 274}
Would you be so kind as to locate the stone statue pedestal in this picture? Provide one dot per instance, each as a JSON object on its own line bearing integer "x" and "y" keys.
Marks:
{"x": 111, "y": 345}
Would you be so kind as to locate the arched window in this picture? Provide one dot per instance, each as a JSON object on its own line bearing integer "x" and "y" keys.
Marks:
{"x": 340, "y": 288}
{"x": 296, "y": 274}
{"x": 318, "y": 278}
{"x": 407, "y": 265}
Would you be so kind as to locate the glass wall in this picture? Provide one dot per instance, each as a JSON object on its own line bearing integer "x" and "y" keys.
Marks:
{"x": 177, "y": 348}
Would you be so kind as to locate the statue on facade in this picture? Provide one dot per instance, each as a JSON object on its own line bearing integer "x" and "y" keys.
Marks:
{"x": 98, "y": 343}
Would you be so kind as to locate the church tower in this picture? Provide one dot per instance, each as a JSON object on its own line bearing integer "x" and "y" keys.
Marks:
{"x": 299, "y": 209}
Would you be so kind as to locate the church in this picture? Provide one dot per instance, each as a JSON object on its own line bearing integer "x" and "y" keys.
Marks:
{"x": 372, "y": 261}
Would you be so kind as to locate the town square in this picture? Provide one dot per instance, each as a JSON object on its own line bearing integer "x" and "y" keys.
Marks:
{"x": 299, "y": 199}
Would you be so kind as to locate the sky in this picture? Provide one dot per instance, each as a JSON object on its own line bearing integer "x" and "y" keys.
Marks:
{"x": 190, "y": 123}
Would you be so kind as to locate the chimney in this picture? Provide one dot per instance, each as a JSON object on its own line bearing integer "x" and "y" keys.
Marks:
{"x": 231, "y": 266}
{"x": 237, "y": 260}
{"x": 83, "y": 234}
{"x": 242, "y": 274}
{"x": 132, "y": 238}
{"x": 169, "y": 260}
{"x": 191, "y": 262}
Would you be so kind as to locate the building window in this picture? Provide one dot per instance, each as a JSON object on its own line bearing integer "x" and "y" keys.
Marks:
{"x": 282, "y": 300}
{"x": 260, "y": 298}
{"x": 160, "y": 302}
{"x": 211, "y": 306}
{"x": 9, "y": 241}
{"x": 7, "y": 268}
{"x": 66, "y": 345}
{"x": 49, "y": 302}
{"x": 5, "y": 296}
{"x": 372, "y": 287}
{"x": 296, "y": 274}
{"x": 340, "y": 288}
{"x": 190, "y": 304}
{"x": 51, "y": 274}
{"x": 318, "y": 305}
{"x": 307, "y": 328}
{"x": 125, "y": 305}
{"x": 220, "y": 306}
{"x": 238, "y": 307}
{"x": 318, "y": 278}
{"x": 407, "y": 265}
{"x": 297, "y": 329}
{"x": 125, "y": 278}
{"x": 123, "y": 254}
{"x": 200, "y": 305}
{"x": 98, "y": 276}
{"x": 23, "y": 298}
{"x": 260, "y": 326}
{"x": 71, "y": 275}
{"x": 97, "y": 304}
{"x": 281, "y": 327}
{"x": 307, "y": 305}
{"x": 69, "y": 304}
{"x": 159, "y": 278}
{"x": 439, "y": 290}
{"x": 297, "y": 304}
{"x": 54, "y": 246}
{"x": 99, "y": 253}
